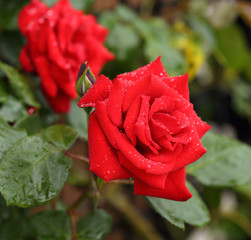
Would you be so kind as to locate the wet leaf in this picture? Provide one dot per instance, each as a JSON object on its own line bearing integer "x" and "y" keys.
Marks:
{"x": 61, "y": 135}
{"x": 226, "y": 163}
{"x": 12, "y": 109}
{"x": 51, "y": 225}
{"x": 32, "y": 124}
{"x": 32, "y": 172}
{"x": 8, "y": 136}
{"x": 193, "y": 211}
{"x": 18, "y": 85}
{"x": 94, "y": 226}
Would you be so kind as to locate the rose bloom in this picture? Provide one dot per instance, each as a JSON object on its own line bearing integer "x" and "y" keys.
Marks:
{"x": 144, "y": 126}
{"x": 59, "y": 39}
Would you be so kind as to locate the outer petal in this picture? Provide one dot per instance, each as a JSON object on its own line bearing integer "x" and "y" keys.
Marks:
{"x": 25, "y": 60}
{"x": 156, "y": 181}
{"x": 109, "y": 129}
{"x": 47, "y": 81}
{"x": 64, "y": 79}
{"x": 103, "y": 157}
{"x": 175, "y": 187}
{"x": 33, "y": 11}
{"x": 98, "y": 92}
{"x": 115, "y": 102}
{"x": 190, "y": 153}
{"x": 201, "y": 126}
{"x": 155, "y": 68}
{"x": 180, "y": 84}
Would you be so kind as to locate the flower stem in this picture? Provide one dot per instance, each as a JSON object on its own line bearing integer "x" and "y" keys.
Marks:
{"x": 81, "y": 158}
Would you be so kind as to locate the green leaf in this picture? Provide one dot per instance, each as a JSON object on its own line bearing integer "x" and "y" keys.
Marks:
{"x": 51, "y": 225}
{"x": 77, "y": 118}
{"x": 32, "y": 172}
{"x": 193, "y": 211}
{"x": 3, "y": 93}
{"x": 94, "y": 226}
{"x": 238, "y": 56}
{"x": 12, "y": 109}
{"x": 8, "y": 136}
{"x": 122, "y": 41}
{"x": 226, "y": 163}
{"x": 32, "y": 124}
{"x": 61, "y": 135}
{"x": 19, "y": 85}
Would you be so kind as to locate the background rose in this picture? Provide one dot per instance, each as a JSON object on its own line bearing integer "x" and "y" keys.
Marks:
{"x": 59, "y": 39}
{"x": 144, "y": 127}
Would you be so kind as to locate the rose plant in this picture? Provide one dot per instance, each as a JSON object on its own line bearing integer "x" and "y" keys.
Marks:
{"x": 59, "y": 39}
{"x": 144, "y": 126}
{"x": 141, "y": 128}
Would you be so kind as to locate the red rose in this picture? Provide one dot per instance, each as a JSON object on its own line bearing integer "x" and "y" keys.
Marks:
{"x": 59, "y": 39}
{"x": 144, "y": 126}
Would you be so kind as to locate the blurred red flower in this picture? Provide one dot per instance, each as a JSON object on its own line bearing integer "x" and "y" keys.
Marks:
{"x": 59, "y": 39}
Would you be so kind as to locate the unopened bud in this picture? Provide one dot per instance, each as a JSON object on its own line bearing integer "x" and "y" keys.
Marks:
{"x": 85, "y": 79}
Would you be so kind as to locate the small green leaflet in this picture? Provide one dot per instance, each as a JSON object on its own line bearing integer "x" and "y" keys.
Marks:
{"x": 18, "y": 85}
{"x": 61, "y": 135}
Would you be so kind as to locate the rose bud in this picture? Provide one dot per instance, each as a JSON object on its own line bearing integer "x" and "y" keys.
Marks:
{"x": 145, "y": 127}
{"x": 85, "y": 79}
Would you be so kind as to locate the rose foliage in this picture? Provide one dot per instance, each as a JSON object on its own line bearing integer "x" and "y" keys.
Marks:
{"x": 59, "y": 39}
{"x": 144, "y": 126}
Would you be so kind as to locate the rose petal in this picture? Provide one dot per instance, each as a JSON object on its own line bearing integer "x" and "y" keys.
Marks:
{"x": 103, "y": 157}
{"x": 201, "y": 126}
{"x": 139, "y": 87}
{"x": 115, "y": 102}
{"x": 43, "y": 69}
{"x": 25, "y": 60}
{"x": 30, "y": 13}
{"x": 137, "y": 159}
{"x": 110, "y": 130}
{"x": 98, "y": 92}
{"x": 142, "y": 128}
{"x": 190, "y": 153}
{"x": 155, "y": 68}
{"x": 64, "y": 79}
{"x": 53, "y": 50}
{"x": 161, "y": 104}
{"x": 175, "y": 187}
{"x": 180, "y": 84}
{"x": 43, "y": 36}
{"x": 131, "y": 119}
{"x": 156, "y": 181}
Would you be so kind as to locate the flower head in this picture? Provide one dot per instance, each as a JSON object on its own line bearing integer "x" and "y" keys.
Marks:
{"x": 145, "y": 127}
